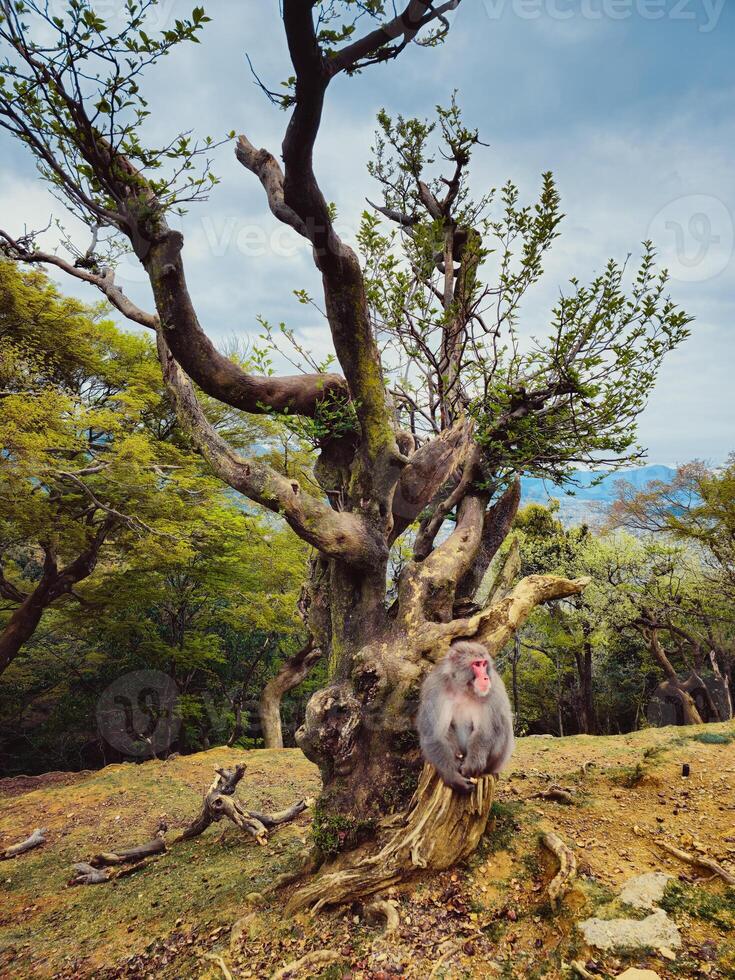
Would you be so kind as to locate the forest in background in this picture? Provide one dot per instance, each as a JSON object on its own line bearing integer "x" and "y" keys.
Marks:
{"x": 188, "y": 582}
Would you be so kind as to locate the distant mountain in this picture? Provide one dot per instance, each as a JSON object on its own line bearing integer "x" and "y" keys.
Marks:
{"x": 587, "y": 500}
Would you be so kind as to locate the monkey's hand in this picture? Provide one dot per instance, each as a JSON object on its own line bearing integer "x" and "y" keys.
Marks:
{"x": 460, "y": 783}
{"x": 472, "y": 767}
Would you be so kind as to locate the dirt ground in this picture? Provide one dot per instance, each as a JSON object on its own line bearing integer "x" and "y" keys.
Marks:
{"x": 173, "y": 917}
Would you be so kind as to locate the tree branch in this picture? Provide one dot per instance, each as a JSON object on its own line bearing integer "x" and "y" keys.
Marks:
{"x": 335, "y": 534}
{"x": 427, "y": 471}
{"x": 406, "y": 25}
{"x": 104, "y": 281}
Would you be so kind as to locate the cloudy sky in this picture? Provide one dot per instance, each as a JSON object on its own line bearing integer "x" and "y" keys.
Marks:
{"x": 629, "y": 102}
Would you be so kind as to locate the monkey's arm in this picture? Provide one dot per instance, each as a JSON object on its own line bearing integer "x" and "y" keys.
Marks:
{"x": 479, "y": 750}
{"x": 442, "y": 756}
{"x": 491, "y": 744}
{"x": 501, "y": 752}
{"x": 438, "y": 742}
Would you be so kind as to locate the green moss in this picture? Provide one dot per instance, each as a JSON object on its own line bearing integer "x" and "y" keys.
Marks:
{"x": 335, "y": 832}
{"x": 715, "y": 907}
{"x": 714, "y": 738}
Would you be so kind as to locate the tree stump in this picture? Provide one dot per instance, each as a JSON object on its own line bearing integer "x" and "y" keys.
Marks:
{"x": 438, "y": 829}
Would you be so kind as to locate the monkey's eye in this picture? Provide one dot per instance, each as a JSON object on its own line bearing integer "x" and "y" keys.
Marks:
{"x": 479, "y": 663}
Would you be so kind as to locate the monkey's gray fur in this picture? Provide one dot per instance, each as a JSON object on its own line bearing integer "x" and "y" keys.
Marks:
{"x": 464, "y": 733}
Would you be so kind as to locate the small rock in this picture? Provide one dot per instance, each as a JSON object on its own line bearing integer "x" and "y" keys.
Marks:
{"x": 656, "y": 931}
{"x": 635, "y": 974}
{"x": 645, "y": 891}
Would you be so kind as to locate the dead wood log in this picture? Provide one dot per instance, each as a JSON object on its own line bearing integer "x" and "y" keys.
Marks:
{"x": 87, "y": 875}
{"x": 219, "y": 802}
{"x": 556, "y": 793}
{"x": 36, "y": 839}
{"x": 129, "y": 855}
{"x": 562, "y": 881}
{"x": 698, "y": 861}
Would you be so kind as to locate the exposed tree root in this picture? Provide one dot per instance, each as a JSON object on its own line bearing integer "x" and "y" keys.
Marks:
{"x": 562, "y": 882}
{"x": 37, "y": 838}
{"x": 698, "y": 861}
{"x": 439, "y": 828}
{"x": 382, "y": 911}
{"x": 320, "y": 957}
{"x": 219, "y": 802}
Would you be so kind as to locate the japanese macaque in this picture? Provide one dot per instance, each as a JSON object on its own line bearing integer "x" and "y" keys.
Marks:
{"x": 464, "y": 720}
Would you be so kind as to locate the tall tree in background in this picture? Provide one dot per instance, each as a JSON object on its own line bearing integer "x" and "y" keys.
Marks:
{"x": 89, "y": 462}
{"x": 696, "y": 509}
{"x": 440, "y": 405}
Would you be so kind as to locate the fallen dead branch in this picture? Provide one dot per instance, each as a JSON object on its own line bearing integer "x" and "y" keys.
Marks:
{"x": 87, "y": 875}
{"x": 130, "y": 855}
{"x": 581, "y": 971}
{"x": 218, "y": 961}
{"x": 36, "y": 839}
{"x": 447, "y": 949}
{"x": 219, "y": 802}
{"x": 556, "y": 793}
{"x": 562, "y": 882}
{"x": 697, "y": 860}
{"x": 320, "y": 957}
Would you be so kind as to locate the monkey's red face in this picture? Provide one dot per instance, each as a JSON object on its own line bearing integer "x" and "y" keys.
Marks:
{"x": 481, "y": 678}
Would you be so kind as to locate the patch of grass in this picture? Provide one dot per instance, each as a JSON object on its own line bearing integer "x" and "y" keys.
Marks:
{"x": 202, "y": 882}
{"x": 714, "y": 738}
{"x": 334, "y": 832}
{"x": 494, "y": 930}
{"x": 502, "y": 825}
{"x": 715, "y": 907}
{"x": 335, "y": 971}
{"x": 627, "y": 776}
{"x": 598, "y": 895}
{"x": 530, "y": 861}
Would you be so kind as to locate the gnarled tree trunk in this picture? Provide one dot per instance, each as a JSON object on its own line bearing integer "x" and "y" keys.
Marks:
{"x": 673, "y": 684}
{"x": 360, "y": 729}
